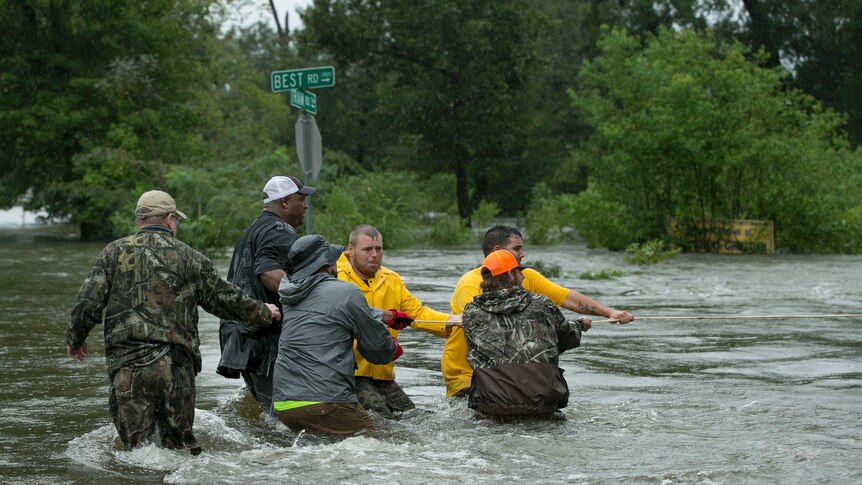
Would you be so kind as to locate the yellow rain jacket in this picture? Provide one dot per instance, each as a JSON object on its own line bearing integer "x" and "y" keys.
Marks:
{"x": 386, "y": 291}
{"x": 456, "y": 371}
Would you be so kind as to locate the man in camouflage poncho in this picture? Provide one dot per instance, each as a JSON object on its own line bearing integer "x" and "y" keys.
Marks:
{"x": 146, "y": 288}
{"x": 514, "y": 340}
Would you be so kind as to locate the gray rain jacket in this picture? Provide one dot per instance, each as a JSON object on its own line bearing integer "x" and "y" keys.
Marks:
{"x": 514, "y": 341}
{"x": 322, "y": 317}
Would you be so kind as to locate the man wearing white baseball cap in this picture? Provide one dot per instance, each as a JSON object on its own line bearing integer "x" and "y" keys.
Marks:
{"x": 259, "y": 261}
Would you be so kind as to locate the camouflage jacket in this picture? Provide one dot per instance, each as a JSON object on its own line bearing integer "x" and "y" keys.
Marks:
{"x": 146, "y": 289}
{"x": 514, "y": 340}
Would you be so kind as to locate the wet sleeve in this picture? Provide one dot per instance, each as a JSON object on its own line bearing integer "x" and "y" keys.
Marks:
{"x": 226, "y": 300}
{"x": 91, "y": 302}
{"x": 534, "y": 282}
{"x": 414, "y": 307}
{"x": 568, "y": 331}
{"x": 273, "y": 248}
{"x": 373, "y": 341}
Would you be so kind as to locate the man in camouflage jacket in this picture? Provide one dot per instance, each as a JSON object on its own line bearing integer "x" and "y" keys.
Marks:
{"x": 514, "y": 340}
{"x": 146, "y": 288}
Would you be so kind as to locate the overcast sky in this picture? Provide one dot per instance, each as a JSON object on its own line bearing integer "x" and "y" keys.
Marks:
{"x": 259, "y": 9}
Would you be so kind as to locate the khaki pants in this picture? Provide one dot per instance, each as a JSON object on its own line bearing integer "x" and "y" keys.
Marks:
{"x": 342, "y": 419}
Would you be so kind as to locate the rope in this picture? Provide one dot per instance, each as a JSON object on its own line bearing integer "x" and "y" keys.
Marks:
{"x": 738, "y": 317}
{"x": 712, "y": 317}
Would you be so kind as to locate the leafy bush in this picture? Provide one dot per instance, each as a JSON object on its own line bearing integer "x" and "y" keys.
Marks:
{"x": 547, "y": 215}
{"x": 650, "y": 252}
{"x": 852, "y": 228}
{"x": 219, "y": 211}
{"x": 388, "y": 201}
{"x": 447, "y": 230}
{"x": 599, "y": 221}
{"x": 548, "y": 270}
{"x": 604, "y": 274}
{"x": 484, "y": 213}
{"x": 686, "y": 126}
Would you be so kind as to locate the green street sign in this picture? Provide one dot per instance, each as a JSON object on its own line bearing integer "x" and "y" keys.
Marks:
{"x": 309, "y": 78}
{"x": 304, "y": 100}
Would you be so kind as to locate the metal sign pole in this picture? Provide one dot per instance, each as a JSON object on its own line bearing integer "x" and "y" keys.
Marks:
{"x": 305, "y": 128}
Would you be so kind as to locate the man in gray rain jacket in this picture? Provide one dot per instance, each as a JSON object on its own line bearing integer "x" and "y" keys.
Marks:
{"x": 313, "y": 383}
{"x": 514, "y": 342}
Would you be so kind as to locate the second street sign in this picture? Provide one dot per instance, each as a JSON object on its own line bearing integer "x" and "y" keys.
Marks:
{"x": 303, "y": 100}
{"x": 309, "y": 78}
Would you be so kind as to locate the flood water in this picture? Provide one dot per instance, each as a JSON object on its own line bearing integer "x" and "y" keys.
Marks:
{"x": 672, "y": 401}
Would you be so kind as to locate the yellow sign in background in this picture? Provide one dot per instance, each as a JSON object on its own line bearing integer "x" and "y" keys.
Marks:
{"x": 733, "y": 236}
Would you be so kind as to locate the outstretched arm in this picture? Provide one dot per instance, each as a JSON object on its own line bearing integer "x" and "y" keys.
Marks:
{"x": 585, "y": 305}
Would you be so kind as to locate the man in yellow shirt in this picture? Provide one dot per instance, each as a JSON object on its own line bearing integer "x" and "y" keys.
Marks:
{"x": 362, "y": 265}
{"x": 456, "y": 371}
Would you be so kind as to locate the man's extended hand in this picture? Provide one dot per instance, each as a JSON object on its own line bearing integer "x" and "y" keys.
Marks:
{"x": 274, "y": 314}
{"x": 399, "y": 320}
{"x": 453, "y": 321}
{"x": 78, "y": 354}
{"x": 619, "y": 316}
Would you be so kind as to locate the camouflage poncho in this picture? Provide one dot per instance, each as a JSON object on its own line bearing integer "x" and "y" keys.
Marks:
{"x": 515, "y": 326}
{"x": 146, "y": 288}
{"x": 514, "y": 340}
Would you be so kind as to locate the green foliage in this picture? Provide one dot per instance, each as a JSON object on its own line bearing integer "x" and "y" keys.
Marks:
{"x": 447, "y": 230}
{"x": 449, "y": 100}
{"x": 600, "y": 222}
{"x": 484, "y": 213}
{"x": 100, "y": 101}
{"x": 650, "y": 252}
{"x": 686, "y": 127}
{"x": 91, "y": 85}
{"x": 219, "y": 211}
{"x": 851, "y": 226}
{"x": 389, "y": 201}
{"x": 605, "y": 274}
{"x": 102, "y": 193}
{"x": 548, "y": 270}
{"x": 546, "y": 216}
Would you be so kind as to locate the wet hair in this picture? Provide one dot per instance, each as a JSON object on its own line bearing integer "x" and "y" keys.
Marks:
{"x": 491, "y": 283}
{"x": 498, "y": 236}
{"x": 363, "y": 230}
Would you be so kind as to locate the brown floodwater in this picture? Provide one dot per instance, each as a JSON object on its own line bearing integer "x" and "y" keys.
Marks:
{"x": 674, "y": 401}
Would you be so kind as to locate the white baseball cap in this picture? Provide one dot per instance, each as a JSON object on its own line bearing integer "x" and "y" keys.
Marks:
{"x": 281, "y": 186}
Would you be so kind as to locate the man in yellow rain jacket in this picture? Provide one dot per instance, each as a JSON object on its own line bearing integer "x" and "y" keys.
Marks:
{"x": 362, "y": 265}
{"x": 456, "y": 371}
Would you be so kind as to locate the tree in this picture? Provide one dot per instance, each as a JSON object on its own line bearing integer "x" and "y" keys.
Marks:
{"x": 102, "y": 99}
{"x": 451, "y": 97}
{"x": 83, "y": 75}
{"x": 686, "y": 127}
{"x": 813, "y": 40}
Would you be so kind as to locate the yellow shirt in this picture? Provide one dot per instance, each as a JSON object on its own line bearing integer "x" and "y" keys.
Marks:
{"x": 456, "y": 371}
{"x": 386, "y": 291}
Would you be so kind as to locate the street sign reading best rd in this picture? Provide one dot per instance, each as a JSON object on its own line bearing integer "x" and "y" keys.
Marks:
{"x": 309, "y": 78}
